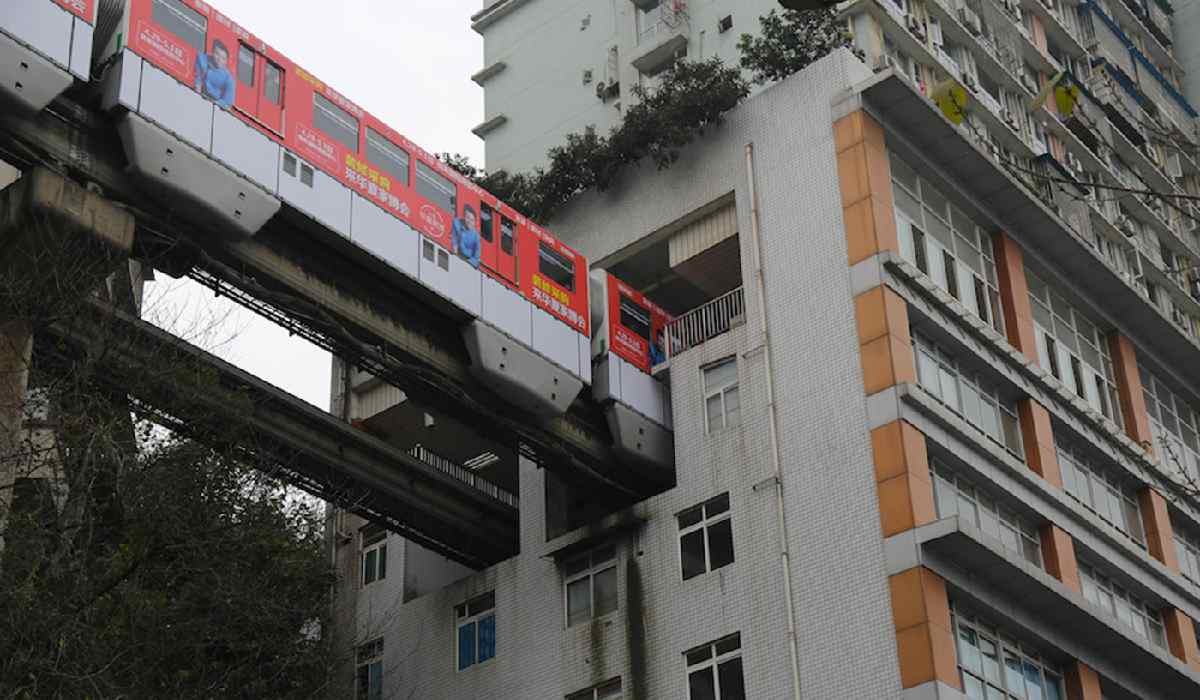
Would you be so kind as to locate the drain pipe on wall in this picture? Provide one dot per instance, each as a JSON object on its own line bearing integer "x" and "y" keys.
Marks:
{"x": 785, "y": 557}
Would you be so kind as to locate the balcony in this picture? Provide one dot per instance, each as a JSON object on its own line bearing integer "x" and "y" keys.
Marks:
{"x": 703, "y": 323}
{"x": 663, "y": 34}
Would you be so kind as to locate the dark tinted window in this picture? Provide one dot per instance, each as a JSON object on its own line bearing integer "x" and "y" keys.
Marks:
{"x": 182, "y": 21}
{"x": 635, "y": 317}
{"x": 486, "y": 223}
{"x": 273, "y": 87}
{"x": 437, "y": 188}
{"x": 507, "y": 235}
{"x": 556, "y": 266}
{"x": 335, "y": 122}
{"x": 245, "y": 67}
{"x": 387, "y": 156}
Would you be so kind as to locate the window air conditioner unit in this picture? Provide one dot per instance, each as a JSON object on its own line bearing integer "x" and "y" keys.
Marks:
{"x": 969, "y": 82}
{"x": 970, "y": 20}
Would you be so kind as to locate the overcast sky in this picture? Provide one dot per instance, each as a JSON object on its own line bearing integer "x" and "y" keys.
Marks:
{"x": 407, "y": 62}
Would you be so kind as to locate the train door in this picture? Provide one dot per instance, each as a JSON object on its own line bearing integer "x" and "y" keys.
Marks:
{"x": 487, "y": 236}
{"x": 506, "y": 251}
{"x": 260, "y": 88}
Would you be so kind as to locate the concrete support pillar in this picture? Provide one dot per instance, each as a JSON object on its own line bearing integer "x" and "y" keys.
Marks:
{"x": 1058, "y": 554}
{"x": 1156, "y": 520}
{"x": 924, "y": 635}
{"x": 1014, "y": 295}
{"x": 1181, "y": 637}
{"x": 1129, "y": 391}
{"x": 1037, "y": 436}
{"x": 1082, "y": 682}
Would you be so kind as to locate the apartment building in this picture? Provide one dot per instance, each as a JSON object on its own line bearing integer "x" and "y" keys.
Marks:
{"x": 934, "y": 374}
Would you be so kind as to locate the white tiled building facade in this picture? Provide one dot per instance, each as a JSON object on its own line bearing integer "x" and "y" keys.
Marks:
{"x": 976, "y": 461}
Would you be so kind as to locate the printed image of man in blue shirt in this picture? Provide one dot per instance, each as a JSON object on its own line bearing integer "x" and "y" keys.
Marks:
{"x": 213, "y": 79}
{"x": 464, "y": 236}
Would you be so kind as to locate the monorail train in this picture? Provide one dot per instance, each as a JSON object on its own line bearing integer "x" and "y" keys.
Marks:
{"x": 214, "y": 116}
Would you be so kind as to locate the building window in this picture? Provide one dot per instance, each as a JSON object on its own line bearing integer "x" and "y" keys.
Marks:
{"x": 955, "y": 495}
{"x": 591, "y": 585}
{"x": 1174, "y": 427}
{"x": 1101, "y": 491}
{"x": 706, "y": 537}
{"x": 1188, "y": 548}
{"x": 476, "y": 624}
{"x": 715, "y": 670}
{"x": 608, "y": 690}
{"x": 944, "y": 243}
{"x": 993, "y": 666}
{"x": 1072, "y": 349}
{"x": 722, "y": 405}
{"x": 967, "y": 394}
{"x": 368, "y": 677}
{"x": 374, "y": 553}
{"x": 1131, "y": 611}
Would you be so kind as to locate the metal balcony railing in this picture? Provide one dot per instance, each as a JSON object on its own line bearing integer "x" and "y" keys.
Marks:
{"x": 704, "y": 322}
{"x": 463, "y": 474}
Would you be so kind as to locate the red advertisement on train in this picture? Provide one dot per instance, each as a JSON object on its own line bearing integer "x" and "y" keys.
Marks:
{"x": 85, "y": 9}
{"x": 216, "y": 57}
{"x": 636, "y": 326}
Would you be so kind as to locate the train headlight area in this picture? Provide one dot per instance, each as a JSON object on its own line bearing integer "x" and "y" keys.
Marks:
{"x": 249, "y": 172}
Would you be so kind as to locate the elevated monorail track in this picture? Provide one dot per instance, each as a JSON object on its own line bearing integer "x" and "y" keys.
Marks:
{"x": 317, "y": 285}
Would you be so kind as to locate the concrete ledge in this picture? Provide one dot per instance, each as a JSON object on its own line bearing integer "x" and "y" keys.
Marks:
{"x": 47, "y": 222}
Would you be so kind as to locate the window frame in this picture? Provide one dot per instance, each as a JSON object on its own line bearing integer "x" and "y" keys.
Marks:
{"x": 464, "y": 615}
{"x": 593, "y": 693}
{"x": 187, "y": 15}
{"x": 425, "y": 175}
{"x": 703, "y": 525}
{"x": 1080, "y": 472}
{"x": 723, "y": 391}
{"x": 372, "y": 540}
{"x": 1006, "y": 648}
{"x": 965, "y": 241}
{"x": 1096, "y": 587}
{"x": 595, "y": 567}
{"x": 368, "y": 656}
{"x": 714, "y": 661}
{"x": 1004, "y": 520}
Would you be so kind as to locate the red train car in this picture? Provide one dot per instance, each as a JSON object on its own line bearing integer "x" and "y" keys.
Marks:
{"x": 636, "y": 326}
{"x": 203, "y": 49}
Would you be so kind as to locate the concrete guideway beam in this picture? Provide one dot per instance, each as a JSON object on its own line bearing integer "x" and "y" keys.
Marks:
{"x": 217, "y": 403}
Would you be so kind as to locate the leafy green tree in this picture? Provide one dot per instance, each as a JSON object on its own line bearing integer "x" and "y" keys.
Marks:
{"x": 791, "y": 41}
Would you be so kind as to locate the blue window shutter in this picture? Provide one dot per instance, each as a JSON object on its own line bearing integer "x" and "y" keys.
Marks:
{"x": 487, "y": 638}
{"x": 466, "y": 645}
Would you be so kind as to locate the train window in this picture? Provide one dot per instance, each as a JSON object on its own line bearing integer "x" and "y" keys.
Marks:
{"x": 336, "y": 122}
{"x": 386, "y": 155}
{"x": 437, "y": 188}
{"x": 289, "y": 164}
{"x": 273, "y": 84}
{"x": 635, "y": 317}
{"x": 556, "y": 266}
{"x": 245, "y": 67}
{"x": 486, "y": 222}
{"x": 506, "y": 235}
{"x": 182, "y": 21}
